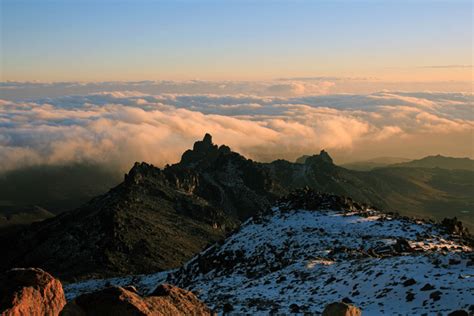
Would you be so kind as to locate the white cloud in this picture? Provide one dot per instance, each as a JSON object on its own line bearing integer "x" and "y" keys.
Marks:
{"x": 126, "y": 126}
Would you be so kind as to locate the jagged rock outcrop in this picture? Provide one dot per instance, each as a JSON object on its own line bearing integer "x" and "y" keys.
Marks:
{"x": 30, "y": 291}
{"x": 165, "y": 300}
{"x": 341, "y": 309}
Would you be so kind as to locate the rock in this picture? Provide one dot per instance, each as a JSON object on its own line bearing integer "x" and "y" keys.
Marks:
{"x": 347, "y": 300}
{"x": 453, "y": 226}
{"x": 458, "y": 313}
{"x": 402, "y": 245}
{"x": 453, "y": 261}
{"x": 435, "y": 296}
{"x": 341, "y": 309}
{"x": 165, "y": 300}
{"x": 427, "y": 287}
{"x": 409, "y": 282}
{"x": 30, "y": 291}
{"x": 227, "y": 308}
{"x": 294, "y": 308}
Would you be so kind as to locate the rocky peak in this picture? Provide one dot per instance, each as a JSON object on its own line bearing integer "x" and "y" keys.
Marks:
{"x": 203, "y": 150}
{"x": 204, "y": 153}
{"x": 322, "y": 158}
{"x": 205, "y": 144}
{"x": 139, "y": 171}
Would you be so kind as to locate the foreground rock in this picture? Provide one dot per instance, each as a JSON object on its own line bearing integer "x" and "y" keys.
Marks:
{"x": 30, "y": 291}
{"x": 341, "y": 309}
{"x": 165, "y": 300}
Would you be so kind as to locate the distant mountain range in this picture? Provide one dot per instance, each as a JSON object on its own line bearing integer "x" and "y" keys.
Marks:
{"x": 370, "y": 164}
{"x": 56, "y": 188}
{"x": 439, "y": 162}
{"x": 157, "y": 219}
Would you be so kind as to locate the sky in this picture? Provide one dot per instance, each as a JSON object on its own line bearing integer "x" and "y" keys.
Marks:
{"x": 109, "y": 40}
{"x": 116, "y": 82}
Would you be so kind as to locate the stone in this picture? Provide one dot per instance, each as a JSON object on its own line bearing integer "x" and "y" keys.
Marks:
{"x": 30, "y": 291}
{"x": 341, "y": 309}
{"x": 165, "y": 300}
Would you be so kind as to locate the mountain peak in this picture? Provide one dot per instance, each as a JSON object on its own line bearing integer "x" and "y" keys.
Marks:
{"x": 207, "y": 138}
{"x": 205, "y": 144}
{"x": 324, "y": 156}
{"x": 203, "y": 149}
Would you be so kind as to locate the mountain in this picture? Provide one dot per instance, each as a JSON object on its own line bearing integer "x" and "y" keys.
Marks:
{"x": 17, "y": 218}
{"x": 157, "y": 219}
{"x": 422, "y": 192}
{"x": 154, "y": 220}
{"x": 312, "y": 249}
{"x": 56, "y": 188}
{"x": 143, "y": 224}
{"x": 370, "y": 164}
{"x": 439, "y": 161}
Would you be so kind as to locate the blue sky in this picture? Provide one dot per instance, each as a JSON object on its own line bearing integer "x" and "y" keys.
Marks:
{"x": 135, "y": 40}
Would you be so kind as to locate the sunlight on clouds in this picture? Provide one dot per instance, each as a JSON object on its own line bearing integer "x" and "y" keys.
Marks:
{"x": 126, "y": 126}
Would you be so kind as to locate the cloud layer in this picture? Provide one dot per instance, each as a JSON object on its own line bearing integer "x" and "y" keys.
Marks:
{"x": 125, "y": 126}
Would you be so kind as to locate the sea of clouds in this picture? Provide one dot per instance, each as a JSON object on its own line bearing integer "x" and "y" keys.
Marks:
{"x": 120, "y": 123}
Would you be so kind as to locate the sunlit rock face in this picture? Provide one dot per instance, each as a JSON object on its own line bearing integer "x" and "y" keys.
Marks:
{"x": 30, "y": 291}
{"x": 165, "y": 300}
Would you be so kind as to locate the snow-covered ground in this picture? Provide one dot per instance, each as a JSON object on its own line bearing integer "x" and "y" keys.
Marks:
{"x": 301, "y": 260}
{"x": 144, "y": 282}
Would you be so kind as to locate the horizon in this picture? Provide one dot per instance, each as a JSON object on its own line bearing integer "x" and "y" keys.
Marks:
{"x": 121, "y": 81}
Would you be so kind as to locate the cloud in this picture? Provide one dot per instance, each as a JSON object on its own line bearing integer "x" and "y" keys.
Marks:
{"x": 121, "y": 127}
{"x": 24, "y": 90}
{"x": 446, "y": 66}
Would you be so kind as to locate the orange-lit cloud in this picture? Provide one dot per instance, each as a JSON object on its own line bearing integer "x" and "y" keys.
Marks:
{"x": 122, "y": 127}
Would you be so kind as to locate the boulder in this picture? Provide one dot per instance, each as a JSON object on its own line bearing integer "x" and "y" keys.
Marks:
{"x": 453, "y": 226}
{"x": 165, "y": 300}
{"x": 30, "y": 291}
{"x": 341, "y": 309}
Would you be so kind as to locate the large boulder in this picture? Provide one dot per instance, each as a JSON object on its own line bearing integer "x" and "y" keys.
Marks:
{"x": 30, "y": 291}
{"x": 165, "y": 300}
{"x": 341, "y": 309}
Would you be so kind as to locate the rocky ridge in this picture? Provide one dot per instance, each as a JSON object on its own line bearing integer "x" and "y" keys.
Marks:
{"x": 313, "y": 249}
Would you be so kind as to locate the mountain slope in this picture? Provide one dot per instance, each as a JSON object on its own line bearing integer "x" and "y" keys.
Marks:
{"x": 142, "y": 225}
{"x": 367, "y": 165}
{"x": 154, "y": 220}
{"x": 423, "y": 192}
{"x": 18, "y": 217}
{"x": 55, "y": 188}
{"x": 315, "y": 249}
{"x": 439, "y": 161}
